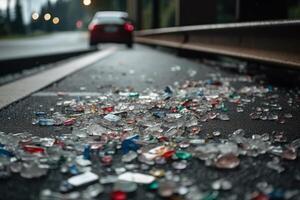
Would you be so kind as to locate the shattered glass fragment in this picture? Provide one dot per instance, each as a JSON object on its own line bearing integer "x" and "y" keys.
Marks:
{"x": 227, "y": 161}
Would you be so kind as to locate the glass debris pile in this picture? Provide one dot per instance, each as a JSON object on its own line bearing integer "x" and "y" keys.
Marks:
{"x": 123, "y": 141}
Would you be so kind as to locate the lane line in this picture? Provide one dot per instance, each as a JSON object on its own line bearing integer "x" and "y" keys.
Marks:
{"x": 68, "y": 94}
{"x": 20, "y": 89}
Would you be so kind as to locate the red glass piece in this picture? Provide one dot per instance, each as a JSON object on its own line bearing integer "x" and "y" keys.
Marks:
{"x": 33, "y": 149}
{"x": 118, "y": 195}
{"x": 168, "y": 154}
{"x": 162, "y": 139}
{"x": 69, "y": 122}
{"x": 174, "y": 110}
{"x": 108, "y": 109}
{"x": 260, "y": 197}
{"x": 187, "y": 103}
{"x": 106, "y": 160}
{"x": 214, "y": 102}
{"x": 59, "y": 143}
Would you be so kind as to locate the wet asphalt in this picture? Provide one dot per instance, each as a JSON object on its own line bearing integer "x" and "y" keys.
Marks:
{"x": 52, "y": 43}
{"x": 141, "y": 68}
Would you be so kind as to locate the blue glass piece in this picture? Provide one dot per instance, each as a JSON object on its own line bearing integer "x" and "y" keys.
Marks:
{"x": 159, "y": 114}
{"x": 270, "y": 88}
{"x": 4, "y": 152}
{"x": 73, "y": 169}
{"x": 209, "y": 82}
{"x": 39, "y": 114}
{"x": 200, "y": 93}
{"x": 46, "y": 122}
{"x": 276, "y": 194}
{"x": 169, "y": 90}
{"x": 129, "y": 144}
{"x": 87, "y": 152}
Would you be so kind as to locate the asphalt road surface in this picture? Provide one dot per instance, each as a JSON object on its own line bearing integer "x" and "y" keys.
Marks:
{"x": 43, "y": 45}
{"x": 144, "y": 68}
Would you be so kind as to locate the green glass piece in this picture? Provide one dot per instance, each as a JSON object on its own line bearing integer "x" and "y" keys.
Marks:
{"x": 232, "y": 95}
{"x": 211, "y": 196}
{"x": 134, "y": 95}
{"x": 223, "y": 108}
{"x": 153, "y": 186}
{"x": 180, "y": 108}
{"x": 183, "y": 155}
{"x": 62, "y": 160}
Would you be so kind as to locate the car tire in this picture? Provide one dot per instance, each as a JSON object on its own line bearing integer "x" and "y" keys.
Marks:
{"x": 93, "y": 45}
{"x": 129, "y": 45}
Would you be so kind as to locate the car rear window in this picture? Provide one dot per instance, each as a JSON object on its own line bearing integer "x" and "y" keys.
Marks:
{"x": 110, "y": 20}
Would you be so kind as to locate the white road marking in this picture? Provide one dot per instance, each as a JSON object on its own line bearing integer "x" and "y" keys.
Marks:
{"x": 68, "y": 94}
{"x": 20, "y": 89}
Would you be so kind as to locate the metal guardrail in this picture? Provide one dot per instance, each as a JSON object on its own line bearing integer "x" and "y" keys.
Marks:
{"x": 275, "y": 42}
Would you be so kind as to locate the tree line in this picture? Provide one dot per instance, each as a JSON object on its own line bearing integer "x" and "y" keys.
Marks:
{"x": 69, "y": 13}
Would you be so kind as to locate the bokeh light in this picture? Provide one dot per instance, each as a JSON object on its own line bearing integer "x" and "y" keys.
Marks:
{"x": 47, "y": 16}
{"x": 79, "y": 24}
{"x": 55, "y": 20}
{"x": 35, "y": 16}
{"x": 87, "y": 2}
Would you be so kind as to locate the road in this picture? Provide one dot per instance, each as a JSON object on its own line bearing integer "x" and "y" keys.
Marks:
{"x": 145, "y": 69}
{"x": 43, "y": 45}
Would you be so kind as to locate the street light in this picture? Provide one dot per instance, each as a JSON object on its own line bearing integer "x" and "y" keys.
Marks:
{"x": 47, "y": 16}
{"x": 87, "y": 2}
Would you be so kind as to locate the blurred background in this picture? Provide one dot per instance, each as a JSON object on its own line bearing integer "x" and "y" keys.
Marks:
{"x": 34, "y": 17}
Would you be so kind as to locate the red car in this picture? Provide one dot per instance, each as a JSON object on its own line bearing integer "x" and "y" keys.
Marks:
{"x": 111, "y": 26}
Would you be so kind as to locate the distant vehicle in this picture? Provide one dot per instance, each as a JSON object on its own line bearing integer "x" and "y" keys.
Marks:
{"x": 111, "y": 26}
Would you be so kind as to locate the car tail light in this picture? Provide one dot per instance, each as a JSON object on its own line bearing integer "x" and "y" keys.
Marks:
{"x": 128, "y": 27}
{"x": 92, "y": 27}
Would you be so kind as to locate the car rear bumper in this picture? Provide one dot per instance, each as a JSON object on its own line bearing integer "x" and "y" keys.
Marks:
{"x": 96, "y": 38}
